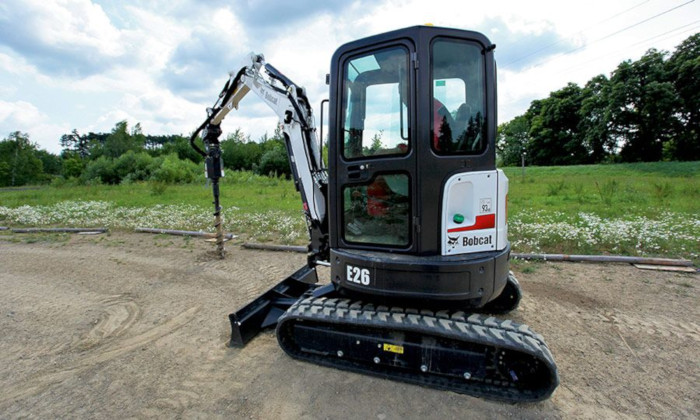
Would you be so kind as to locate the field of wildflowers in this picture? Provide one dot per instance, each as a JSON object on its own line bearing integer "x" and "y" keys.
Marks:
{"x": 268, "y": 225}
{"x": 672, "y": 235}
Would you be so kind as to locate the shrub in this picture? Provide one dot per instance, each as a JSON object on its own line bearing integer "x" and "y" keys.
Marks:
{"x": 158, "y": 187}
{"x": 175, "y": 171}
{"x": 607, "y": 191}
{"x": 73, "y": 167}
{"x": 274, "y": 161}
{"x": 102, "y": 170}
{"x": 133, "y": 166}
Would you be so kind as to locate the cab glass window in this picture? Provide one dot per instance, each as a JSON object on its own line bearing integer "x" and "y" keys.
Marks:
{"x": 375, "y": 104}
{"x": 458, "y": 87}
{"x": 378, "y": 212}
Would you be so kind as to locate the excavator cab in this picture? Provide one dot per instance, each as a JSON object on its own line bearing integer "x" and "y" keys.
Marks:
{"x": 417, "y": 206}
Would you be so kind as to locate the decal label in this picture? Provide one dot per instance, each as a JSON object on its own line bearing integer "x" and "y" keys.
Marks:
{"x": 357, "y": 275}
{"x": 470, "y": 242}
{"x": 477, "y": 240}
{"x": 485, "y": 205}
{"x": 391, "y": 348}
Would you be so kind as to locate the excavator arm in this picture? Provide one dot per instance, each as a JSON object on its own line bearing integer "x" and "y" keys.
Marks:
{"x": 295, "y": 114}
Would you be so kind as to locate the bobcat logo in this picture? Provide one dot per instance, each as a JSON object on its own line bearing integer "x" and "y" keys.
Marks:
{"x": 452, "y": 242}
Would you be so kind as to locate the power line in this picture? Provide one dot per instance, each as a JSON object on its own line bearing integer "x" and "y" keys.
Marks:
{"x": 577, "y": 33}
{"x": 629, "y": 27}
{"x": 579, "y": 66}
{"x": 616, "y": 32}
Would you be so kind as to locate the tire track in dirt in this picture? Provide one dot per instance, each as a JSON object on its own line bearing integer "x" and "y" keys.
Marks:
{"x": 43, "y": 381}
{"x": 656, "y": 325}
{"x": 120, "y": 312}
{"x": 625, "y": 336}
{"x": 245, "y": 273}
{"x": 651, "y": 324}
{"x": 211, "y": 379}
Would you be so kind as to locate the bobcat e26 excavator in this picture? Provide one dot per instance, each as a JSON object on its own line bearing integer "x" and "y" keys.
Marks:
{"x": 410, "y": 216}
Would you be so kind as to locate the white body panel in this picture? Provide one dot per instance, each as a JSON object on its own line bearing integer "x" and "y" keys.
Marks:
{"x": 474, "y": 213}
{"x": 502, "y": 211}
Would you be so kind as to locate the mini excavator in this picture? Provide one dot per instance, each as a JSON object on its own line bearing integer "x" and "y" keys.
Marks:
{"x": 409, "y": 214}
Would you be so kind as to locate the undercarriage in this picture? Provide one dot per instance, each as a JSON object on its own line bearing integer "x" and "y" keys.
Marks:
{"x": 468, "y": 353}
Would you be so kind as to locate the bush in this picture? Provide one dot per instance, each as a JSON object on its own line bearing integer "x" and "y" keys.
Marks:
{"x": 102, "y": 170}
{"x": 274, "y": 162}
{"x": 73, "y": 167}
{"x": 176, "y": 171}
{"x": 238, "y": 155}
{"x": 158, "y": 187}
{"x": 134, "y": 166}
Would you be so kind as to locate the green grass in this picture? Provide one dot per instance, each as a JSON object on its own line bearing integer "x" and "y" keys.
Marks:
{"x": 623, "y": 190}
{"x": 631, "y": 209}
{"x": 244, "y": 190}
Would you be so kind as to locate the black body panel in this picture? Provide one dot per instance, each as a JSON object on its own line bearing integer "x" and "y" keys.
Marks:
{"x": 473, "y": 279}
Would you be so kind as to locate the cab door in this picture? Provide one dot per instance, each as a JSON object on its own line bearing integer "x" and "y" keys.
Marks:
{"x": 374, "y": 191}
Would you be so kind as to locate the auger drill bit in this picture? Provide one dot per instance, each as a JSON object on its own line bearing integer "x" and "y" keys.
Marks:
{"x": 214, "y": 167}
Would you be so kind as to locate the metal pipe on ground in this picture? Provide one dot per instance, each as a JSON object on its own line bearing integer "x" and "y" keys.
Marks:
{"x": 525, "y": 256}
{"x": 604, "y": 258}
{"x": 183, "y": 233}
{"x": 61, "y": 230}
{"x": 271, "y": 247}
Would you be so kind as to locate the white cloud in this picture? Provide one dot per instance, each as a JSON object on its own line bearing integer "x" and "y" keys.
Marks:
{"x": 72, "y": 37}
{"x": 20, "y": 112}
{"x": 25, "y": 117}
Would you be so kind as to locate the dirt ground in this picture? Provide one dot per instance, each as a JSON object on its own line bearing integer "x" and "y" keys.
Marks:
{"x": 135, "y": 325}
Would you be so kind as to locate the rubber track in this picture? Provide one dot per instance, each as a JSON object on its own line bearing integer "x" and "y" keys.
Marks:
{"x": 459, "y": 326}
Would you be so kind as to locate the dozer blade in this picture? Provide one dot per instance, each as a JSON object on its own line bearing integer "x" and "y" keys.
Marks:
{"x": 469, "y": 354}
{"x": 264, "y": 311}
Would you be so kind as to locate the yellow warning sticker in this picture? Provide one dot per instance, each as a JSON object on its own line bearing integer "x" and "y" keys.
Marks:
{"x": 393, "y": 348}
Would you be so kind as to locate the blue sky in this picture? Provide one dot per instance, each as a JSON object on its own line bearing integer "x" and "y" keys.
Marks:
{"x": 85, "y": 65}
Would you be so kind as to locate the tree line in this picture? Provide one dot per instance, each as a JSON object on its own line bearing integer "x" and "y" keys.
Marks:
{"x": 125, "y": 155}
{"x": 647, "y": 110}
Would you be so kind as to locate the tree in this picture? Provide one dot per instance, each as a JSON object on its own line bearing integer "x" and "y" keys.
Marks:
{"x": 513, "y": 140}
{"x": 274, "y": 161}
{"x": 683, "y": 70}
{"x": 375, "y": 145}
{"x": 73, "y": 167}
{"x": 647, "y": 110}
{"x": 239, "y": 152}
{"x": 19, "y": 164}
{"x": 642, "y": 102}
{"x": 74, "y": 143}
{"x": 138, "y": 140}
{"x": 120, "y": 141}
{"x": 555, "y": 139}
{"x": 181, "y": 146}
{"x": 96, "y": 143}
{"x": 594, "y": 125}
{"x": 52, "y": 164}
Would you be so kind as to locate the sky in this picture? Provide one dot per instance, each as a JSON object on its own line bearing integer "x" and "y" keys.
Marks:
{"x": 88, "y": 64}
